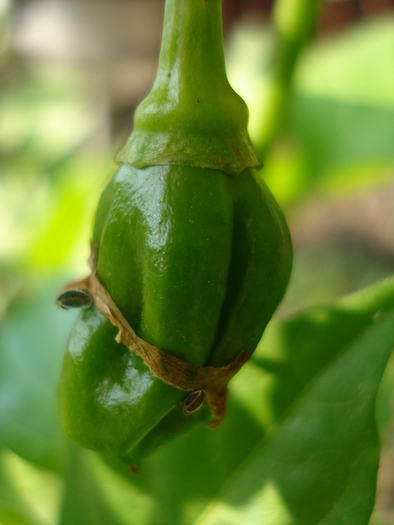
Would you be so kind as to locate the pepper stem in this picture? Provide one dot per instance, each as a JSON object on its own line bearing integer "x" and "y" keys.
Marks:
{"x": 192, "y": 116}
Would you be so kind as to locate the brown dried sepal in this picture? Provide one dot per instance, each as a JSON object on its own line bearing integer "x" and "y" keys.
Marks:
{"x": 170, "y": 369}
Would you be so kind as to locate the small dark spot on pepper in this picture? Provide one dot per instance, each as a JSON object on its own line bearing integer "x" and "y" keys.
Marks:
{"x": 77, "y": 298}
{"x": 194, "y": 401}
{"x": 198, "y": 101}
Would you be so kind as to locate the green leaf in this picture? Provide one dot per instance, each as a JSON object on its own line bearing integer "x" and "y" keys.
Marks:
{"x": 84, "y": 500}
{"x": 342, "y": 117}
{"x": 47, "y": 219}
{"x": 32, "y": 343}
{"x": 11, "y": 514}
{"x": 13, "y": 510}
{"x": 61, "y": 241}
{"x": 294, "y": 350}
{"x": 339, "y": 134}
{"x": 346, "y": 65}
{"x": 28, "y": 495}
{"x": 319, "y": 465}
{"x": 338, "y": 129}
{"x": 46, "y": 118}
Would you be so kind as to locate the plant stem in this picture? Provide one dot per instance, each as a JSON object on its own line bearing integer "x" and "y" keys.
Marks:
{"x": 294, "y": 23}
{"x": 192, "y": 115}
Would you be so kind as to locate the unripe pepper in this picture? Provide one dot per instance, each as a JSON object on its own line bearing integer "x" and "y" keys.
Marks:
{"x": 190, "y": 247}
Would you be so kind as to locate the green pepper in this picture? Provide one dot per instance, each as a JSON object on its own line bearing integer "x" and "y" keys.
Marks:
{"x": 191, "y": 247}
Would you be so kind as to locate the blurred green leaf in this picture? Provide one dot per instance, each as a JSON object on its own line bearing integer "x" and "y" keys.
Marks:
{"x": 46, "y": 117}
{"x": 339, "y": 127}
{"x": 50, "y": 182}
{"x": 339, "y": 134}
{"x": 12, "y": 515}
{"x": 325, "y": 270}
{"x": 342, "y": 108}
{"x": 60, "y": 242}
{"x": 13, "y": 510}
{"x": 299, "y": 347}
{"x": 384, "y": 401}
{"x": 319, "y": 465}
{"x": 27, "y": 493}
{"x": 32, "y": 342}
{"x": 45, "y": 221}
{"x": 84, "y": 500}
{"x": 355, "y": 65}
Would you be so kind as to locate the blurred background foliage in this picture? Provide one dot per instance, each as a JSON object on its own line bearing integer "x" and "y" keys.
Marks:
{"x": 71, "y": 75}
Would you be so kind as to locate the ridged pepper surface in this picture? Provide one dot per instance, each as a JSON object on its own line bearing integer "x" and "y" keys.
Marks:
{"x": 191, "y": 246}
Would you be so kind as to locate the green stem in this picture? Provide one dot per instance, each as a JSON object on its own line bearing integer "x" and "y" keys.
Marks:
{"x": 192, "y": 115}
{"x": 294, "y": 23}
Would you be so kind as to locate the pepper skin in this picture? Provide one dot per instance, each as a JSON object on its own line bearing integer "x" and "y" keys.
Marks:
{"x": 197, "y": 261}
{"x": 191, "y": 246}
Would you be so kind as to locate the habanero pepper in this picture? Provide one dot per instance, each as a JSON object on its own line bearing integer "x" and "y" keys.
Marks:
{"x": 190, "y": 245}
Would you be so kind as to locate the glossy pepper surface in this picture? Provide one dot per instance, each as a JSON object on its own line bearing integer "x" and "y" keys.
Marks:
{"x": 191, "y": 246}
